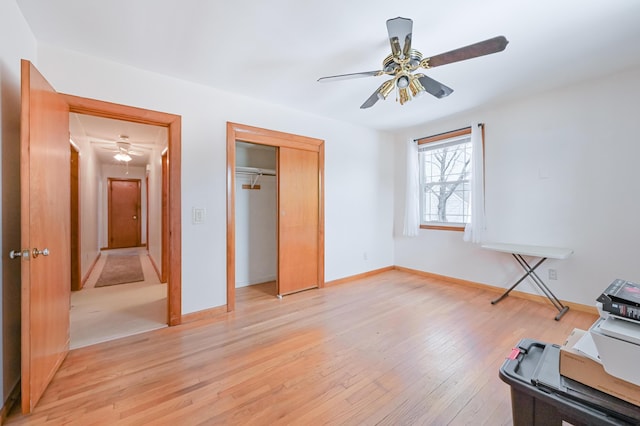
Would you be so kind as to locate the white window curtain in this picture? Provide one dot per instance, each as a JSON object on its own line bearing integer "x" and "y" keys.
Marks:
{"x": 474, "y": 230}
{"x": 412, "y": 194}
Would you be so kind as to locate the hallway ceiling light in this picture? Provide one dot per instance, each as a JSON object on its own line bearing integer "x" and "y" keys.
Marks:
{"x": 122, "y": 157}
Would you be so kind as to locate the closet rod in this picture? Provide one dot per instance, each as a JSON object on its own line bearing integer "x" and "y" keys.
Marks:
{"x": 255, "y": 171}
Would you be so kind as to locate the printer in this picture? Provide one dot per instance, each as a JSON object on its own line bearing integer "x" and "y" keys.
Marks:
{"x": 616, "y": 333}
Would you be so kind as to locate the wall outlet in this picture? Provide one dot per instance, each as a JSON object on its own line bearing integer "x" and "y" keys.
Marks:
{"x": 553, "y": 274}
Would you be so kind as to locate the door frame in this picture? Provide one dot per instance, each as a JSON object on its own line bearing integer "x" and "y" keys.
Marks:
{"x": 173, "y": 123}
{"x": 243, "y": 133}
{"x": 146, "y": 202}
{"x": 76, "y": 232}
{"x": 164, "y": 268}
{"x": 110, "y": 229}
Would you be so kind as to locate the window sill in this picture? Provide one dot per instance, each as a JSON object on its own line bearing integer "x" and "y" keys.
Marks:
{"x": 457, "y": 228}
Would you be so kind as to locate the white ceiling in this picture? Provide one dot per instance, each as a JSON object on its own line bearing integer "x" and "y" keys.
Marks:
{"x": 276, "y": 50}
{"x": 101, "y": 135}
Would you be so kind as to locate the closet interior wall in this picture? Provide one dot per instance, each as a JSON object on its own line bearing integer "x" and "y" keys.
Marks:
{"x": 256, "y": 214}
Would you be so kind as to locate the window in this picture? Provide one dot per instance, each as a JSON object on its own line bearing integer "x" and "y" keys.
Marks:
{"x": 445, "y": 169}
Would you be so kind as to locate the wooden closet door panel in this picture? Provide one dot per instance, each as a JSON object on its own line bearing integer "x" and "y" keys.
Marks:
{"x": 298, "y": 205}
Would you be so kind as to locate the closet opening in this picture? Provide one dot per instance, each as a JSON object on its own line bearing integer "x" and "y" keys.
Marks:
{"x": 256, "y": 221}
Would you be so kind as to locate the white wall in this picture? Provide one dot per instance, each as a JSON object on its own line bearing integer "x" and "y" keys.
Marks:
{"x": 16, "y": 43}
{"x": 561, "y": 170}
{"x": 154, "y": 239}
{"x": 256, "y": 218}
{"x": 89, "y": 193}
{"x": 256, "y": 226}
{"x": 358, "y": 178}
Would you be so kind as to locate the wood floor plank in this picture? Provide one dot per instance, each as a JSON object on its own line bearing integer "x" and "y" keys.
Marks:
{"x": 392, "y": 348}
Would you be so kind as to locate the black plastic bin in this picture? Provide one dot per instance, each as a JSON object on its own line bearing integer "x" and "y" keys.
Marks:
{"x": 541, "y": 396}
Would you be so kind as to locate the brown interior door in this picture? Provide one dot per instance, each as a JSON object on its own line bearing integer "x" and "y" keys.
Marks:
{"x": 124, "y": 213}
{"x": 298, "y": 205}
{"x": 45, "y": 233}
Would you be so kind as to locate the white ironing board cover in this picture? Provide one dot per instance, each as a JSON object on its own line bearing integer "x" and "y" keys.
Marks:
{"x": 525, "y": 250}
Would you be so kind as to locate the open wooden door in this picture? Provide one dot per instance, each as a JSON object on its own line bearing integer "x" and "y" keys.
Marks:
{"x": 45, "y": 233}
{"x": 298, "y": 215}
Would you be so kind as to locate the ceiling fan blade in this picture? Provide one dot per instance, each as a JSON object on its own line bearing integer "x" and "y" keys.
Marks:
{"x": 375, "y": 96}
{"x": 487, "y": 47}
{"x": 143, "y": 147}
{"x": 400, "y": 30}
{"x": 350, "y": 76}
{"x": 94, "y": 141}
{"x": 434, "y": 87}
{"x": 371, "y": 101}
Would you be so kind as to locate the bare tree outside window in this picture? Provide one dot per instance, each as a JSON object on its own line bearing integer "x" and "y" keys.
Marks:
{"x": 445, "y": 191}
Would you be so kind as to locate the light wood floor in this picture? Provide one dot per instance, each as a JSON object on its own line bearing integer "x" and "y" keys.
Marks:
{"x": 391, "y": 349}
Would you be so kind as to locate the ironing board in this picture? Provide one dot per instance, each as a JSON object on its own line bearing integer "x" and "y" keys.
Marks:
{"x": 540, "y": 252}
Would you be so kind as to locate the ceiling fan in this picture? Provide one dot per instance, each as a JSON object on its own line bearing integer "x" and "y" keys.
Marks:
{"x": 403, "y": 61}
{"x": 122, "y": 147}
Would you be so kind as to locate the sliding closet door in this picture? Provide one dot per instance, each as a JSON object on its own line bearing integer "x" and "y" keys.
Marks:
{"x": 298, "y": 215}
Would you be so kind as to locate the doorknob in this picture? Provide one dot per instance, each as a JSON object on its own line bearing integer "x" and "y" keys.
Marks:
{"x": 18, "y": 253}
{"x": 36, "y": 252}
{"x": 135, "y": 217}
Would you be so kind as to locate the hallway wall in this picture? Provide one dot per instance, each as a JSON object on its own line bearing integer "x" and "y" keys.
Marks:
{"x": 89, "y": 196}
{"x": 154, "y": 239}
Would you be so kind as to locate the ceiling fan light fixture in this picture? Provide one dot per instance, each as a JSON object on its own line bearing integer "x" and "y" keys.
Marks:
{"x": 417, "y": 89}
{"x": 404, "y": 95}
{"x": 402, "y": 82}
{"x": 386, "y": 89}
{"x": 122, "y": 157}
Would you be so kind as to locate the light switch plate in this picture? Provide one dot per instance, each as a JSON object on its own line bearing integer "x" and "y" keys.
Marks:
{"x": 198, "y": 215}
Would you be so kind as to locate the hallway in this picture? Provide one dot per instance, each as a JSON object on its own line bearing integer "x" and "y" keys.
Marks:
{"x": 107, "y": 313}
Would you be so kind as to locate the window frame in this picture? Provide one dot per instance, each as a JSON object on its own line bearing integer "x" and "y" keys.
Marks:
{"x": 458, "y": 227}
